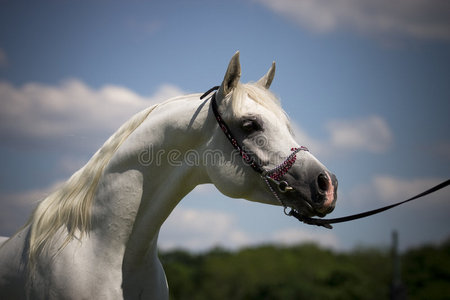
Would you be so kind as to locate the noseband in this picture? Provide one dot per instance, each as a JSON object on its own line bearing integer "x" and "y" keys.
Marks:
{"x": 275, "y": 175}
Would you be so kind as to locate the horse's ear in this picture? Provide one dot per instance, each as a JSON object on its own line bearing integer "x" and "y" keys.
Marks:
{"x": 266, "y": 80}
{"x": 232, "y": 76}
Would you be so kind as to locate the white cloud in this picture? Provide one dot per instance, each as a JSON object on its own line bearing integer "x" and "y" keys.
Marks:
{"x": 423, "y": 19}
{"x": 391, "y": 189}
{"x": 17, "y": 207}
{"x": 371, "y": 134}
{"x": 202, "y": 229}
{"x": 38, "y": 111}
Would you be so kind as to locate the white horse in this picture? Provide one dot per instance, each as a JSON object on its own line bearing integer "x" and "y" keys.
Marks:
{"x": 96, "y": 236}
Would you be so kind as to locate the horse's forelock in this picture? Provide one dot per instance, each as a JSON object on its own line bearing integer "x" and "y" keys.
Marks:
{"x": 258, "y": 94}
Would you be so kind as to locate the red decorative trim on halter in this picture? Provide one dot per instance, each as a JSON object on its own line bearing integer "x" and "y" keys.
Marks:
{"x": 278, "y": 172}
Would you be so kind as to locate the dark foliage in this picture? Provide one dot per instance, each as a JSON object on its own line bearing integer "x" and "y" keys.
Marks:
{"x": 426, "y": 272}
{"x": 305, "y": 272}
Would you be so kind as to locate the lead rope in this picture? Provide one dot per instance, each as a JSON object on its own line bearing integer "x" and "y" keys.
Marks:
{"x": 326, "y": 222}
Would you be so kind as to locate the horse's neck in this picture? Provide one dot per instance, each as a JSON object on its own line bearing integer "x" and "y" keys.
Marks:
{"x": 136, "y": 195}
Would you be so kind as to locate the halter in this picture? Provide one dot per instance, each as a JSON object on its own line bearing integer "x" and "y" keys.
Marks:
{"x": 275, "y": 175}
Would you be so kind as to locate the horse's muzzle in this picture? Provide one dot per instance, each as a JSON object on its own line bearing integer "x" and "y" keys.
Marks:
{"x": 314, "y": 190}
{"x": 324, "y": 193}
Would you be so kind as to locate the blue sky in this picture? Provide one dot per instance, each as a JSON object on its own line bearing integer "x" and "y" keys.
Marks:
{"x": 366, "y": 84}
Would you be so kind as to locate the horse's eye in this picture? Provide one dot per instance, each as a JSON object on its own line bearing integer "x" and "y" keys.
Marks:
{"x": 250, "y": 126}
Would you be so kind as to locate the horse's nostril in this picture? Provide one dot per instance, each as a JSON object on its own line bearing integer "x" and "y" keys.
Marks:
{"x": 322, "y": 183}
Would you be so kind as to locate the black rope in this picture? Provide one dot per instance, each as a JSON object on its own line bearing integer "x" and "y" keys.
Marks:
{"x": 326, "y": 222}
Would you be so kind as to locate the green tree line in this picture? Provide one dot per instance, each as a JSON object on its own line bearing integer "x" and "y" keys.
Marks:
{"x": 305, "y": 271}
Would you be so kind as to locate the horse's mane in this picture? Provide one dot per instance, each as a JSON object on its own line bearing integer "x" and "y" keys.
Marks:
{"x": 69, "y": 207}
{"x": 260, "y": 95}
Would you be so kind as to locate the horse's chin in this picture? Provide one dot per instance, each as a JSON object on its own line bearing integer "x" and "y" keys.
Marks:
{"x": 305, "y": 208}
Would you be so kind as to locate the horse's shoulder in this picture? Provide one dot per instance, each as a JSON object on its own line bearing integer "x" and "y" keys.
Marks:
{"x": 12, "y": 265}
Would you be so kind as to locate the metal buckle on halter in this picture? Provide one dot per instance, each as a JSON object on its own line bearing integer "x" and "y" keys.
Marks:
{"x": 283, "y": 186}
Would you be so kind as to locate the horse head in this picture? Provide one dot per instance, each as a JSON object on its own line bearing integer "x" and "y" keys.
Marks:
{"x": 258, "y": 137}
